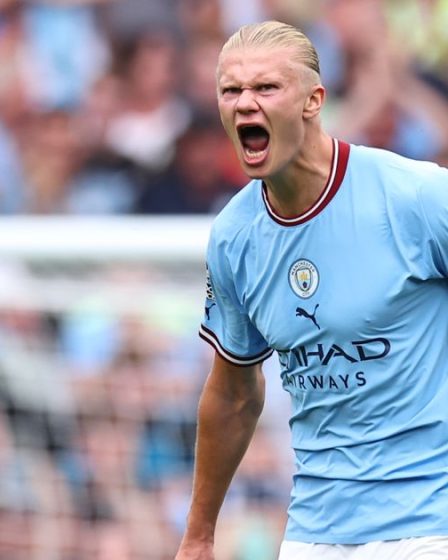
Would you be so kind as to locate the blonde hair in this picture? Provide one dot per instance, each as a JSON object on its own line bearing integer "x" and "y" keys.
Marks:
{"x": 275, "y": 34}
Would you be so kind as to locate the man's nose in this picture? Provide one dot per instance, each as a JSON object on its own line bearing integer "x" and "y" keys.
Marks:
{"x": 247, "y": 100}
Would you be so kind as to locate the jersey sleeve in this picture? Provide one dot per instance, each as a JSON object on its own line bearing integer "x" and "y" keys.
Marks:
{"x": 434, "y": 200}
{"x": 226, "y": 326}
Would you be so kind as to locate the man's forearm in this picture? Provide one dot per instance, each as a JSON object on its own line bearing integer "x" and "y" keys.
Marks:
{"x": 227, "y": 418}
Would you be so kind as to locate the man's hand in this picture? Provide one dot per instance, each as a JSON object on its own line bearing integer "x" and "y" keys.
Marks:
{"x": 195, "y": 551}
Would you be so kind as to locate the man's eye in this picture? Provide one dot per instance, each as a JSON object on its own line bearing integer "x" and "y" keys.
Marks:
{"x": 263, "y": 88}
{"x": 230, "y": 91}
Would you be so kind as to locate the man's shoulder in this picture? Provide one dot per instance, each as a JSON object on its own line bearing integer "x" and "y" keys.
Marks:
{"x": 391, "y": 162}
{"x": 241, "y": 210}
{"x": 400, "y": 176}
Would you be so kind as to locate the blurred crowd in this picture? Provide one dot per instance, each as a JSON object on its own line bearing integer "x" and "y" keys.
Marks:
{"x": 108, "y": 107}
{"x": 98, "y": 417}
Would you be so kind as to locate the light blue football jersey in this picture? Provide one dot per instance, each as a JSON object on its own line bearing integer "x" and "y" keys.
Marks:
{"x": 353, "y": 296}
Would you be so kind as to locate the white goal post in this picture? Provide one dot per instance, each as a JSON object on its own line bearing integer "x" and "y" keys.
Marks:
{"x": 50, "y": 263}
{"x": 157, "y": 238}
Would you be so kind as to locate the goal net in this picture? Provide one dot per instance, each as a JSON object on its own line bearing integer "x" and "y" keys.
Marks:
{"x": 100, "y": 372}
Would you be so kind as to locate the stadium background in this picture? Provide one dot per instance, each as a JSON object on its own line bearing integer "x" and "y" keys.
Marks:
{"x": 112, "y": 165}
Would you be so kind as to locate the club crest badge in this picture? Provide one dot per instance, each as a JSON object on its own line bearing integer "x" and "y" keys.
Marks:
{"x": 303, "y": 278}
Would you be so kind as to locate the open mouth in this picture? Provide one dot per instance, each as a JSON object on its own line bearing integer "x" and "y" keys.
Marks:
{"x": 254, "y": 140}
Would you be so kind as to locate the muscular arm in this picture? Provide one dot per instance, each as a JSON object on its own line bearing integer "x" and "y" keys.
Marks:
{"x": 229, "y": 407}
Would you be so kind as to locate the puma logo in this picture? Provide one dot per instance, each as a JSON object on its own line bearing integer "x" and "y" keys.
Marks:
{"x": 207, "y": 311}
{"x": 300, "y": 312}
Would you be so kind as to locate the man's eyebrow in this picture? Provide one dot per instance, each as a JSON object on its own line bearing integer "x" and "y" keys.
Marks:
{"x": 273, "y": 77}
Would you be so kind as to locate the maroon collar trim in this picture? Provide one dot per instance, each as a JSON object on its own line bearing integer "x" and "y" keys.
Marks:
{"x": 339, "y": 162}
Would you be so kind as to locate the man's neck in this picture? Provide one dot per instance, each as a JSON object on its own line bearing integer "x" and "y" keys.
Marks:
{"x": 296, "y": 189}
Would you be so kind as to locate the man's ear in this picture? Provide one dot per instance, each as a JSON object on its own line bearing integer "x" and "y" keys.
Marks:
{"x": 314, "y": 102}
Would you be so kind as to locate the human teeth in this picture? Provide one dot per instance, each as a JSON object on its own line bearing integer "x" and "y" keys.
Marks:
{"x": 255, "y": 153}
